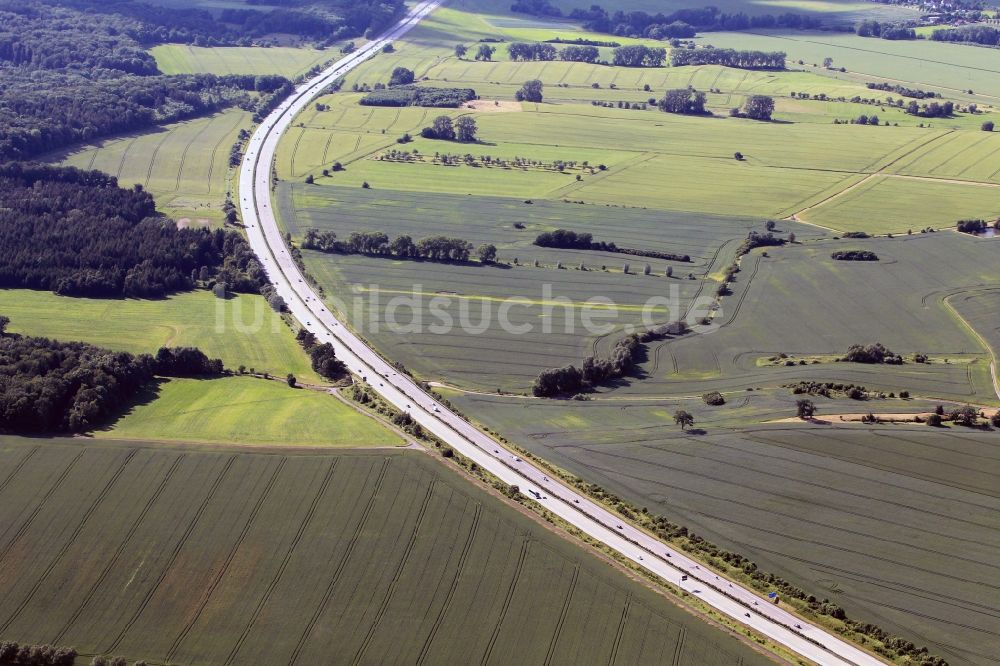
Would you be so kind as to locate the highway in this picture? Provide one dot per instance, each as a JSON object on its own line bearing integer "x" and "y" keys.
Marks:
{"x": 576, "y": 509}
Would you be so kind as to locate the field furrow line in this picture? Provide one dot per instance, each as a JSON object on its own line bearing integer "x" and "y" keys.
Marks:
{"x": 215, "y": 151}
{"x": 679, "y": 647}
{"x": 562, "y": 616}
{"x": 17, "y": 468}
{"x": 38, "y": 507}
{"x": 229, "y": 559}
{"x": 396, "y": 574}
{"x": 180, "y": 166}
{"x": 453, "y": 587}
{"x": 621, "y": 630}
{"x": 295, "y": 150}
{"x": 121, "y": 549}
{"x": 152, "y": 158}
{"x": 303, "y": 526}
{"x": 362, "y": 521}
{"x": 121, "y": 161}
{"x": 173, "y": 555}
{"x": 506, "y": 602}
{"x": 71, "y": 540}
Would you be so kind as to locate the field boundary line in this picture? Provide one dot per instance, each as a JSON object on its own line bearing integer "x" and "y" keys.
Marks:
{"x": 396, "y": 574}
{"x": 173, "y": 555}
{"x": 507, "y": 599}
{"x": 979, "y": 337}
{"x": 229, "y": 559}
{"x": 38, "y": 507}
{"x": 325, "y": 599}
{"x": 303, "y": 525}
{"x": 74, "y": 535}
{"x": 453, "y": 587}
{"x": 121, "y": 548}
{"x": 613, "y": 657}
{"x": 562, "y": 615}
{"x": 17, "y": 467}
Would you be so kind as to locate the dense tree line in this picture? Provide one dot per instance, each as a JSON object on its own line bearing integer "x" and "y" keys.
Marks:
{"x": 565, "y": 239}
{"x": 876, "y": 353}
{"x": 77, "y": 233}
{"x": 12, "y": 654}
{"x": 536, "y": 8}
{"x": 622, "y": 360}
{"x": 854, "y": 255}
{"x": 377, "y": 243}
{"x": 536, "y": 51}
{"x": 683, "y": 23}
{"x": 420, "y": 96}
{"x": 893, "y": 31}
{"x": 322, "y": 357}
{"x": 974, "y": 34}
{"x": 52, "y": 386}
{"x": 638, "y": 56}
{"x": 931, "y": 110}
{"x": 975, "y": 226}
{"x": 756, "y": 239}
{"x": 574, "y": 53}
{"x": 683, "y": 100}
{"x": 728, "y": 58}
{"x": 903, "y": 90}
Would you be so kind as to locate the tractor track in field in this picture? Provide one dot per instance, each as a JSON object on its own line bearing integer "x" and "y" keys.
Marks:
{"x": 74, "y": 535}
{"x": 303, "y": 526}
{"x": 192, "y": 524}
{"x": 328, "y": 593}
{"x": 110, "y": 565}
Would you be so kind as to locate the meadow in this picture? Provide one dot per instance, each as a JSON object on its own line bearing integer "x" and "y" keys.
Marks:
{"x": 196, "y": 556}
{"x": 242, "y": 330}
{"x": 286, "y": 61}
{"x": 896, "y": 524}
{"x": 248, "y": 412}
{"x": 184, "y": 165}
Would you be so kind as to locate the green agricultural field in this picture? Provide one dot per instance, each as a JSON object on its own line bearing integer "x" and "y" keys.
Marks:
{"x": 365, "y": 287}
{"x": 242, "y": 330}
{"x": 284, "y": 60}
{"x": 898, "y": 525}
{"x": 947, "y": 68}
{"x": 245, "y": 410}
{"x": 184, "y": 165}
{"x": 198, "y": 557}
{"x": 800, "y": 302}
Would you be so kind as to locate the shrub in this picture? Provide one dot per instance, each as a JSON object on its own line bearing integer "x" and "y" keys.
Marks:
{"x": 714, "y": 398}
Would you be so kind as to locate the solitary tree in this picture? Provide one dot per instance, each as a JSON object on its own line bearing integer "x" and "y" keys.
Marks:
{"x": 759, "y": 107}
{"x": 460, "y": 50}
{"x": 828, "y": 62}
{"x": 987, "y": 126}
{"x": 683, "y": 419}
{"x": 290, "y": 380}
{"x": 531, "y": 91}
{"x": 485, "y": 52}
{"x": 465, "y": 129}
{"x": 487, "y": 253}
{"x": 806, "y": 408}
{"x": 401, "y": 76}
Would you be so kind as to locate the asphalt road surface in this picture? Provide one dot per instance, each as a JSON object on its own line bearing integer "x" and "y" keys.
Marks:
{"x": 727, "y": 597}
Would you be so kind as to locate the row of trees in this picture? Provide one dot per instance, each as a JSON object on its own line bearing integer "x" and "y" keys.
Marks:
{"x": 854, "y": 255}
{"x": 931, "y": 110}
{"x": 322, "y": 357}
{"x": 570, "y": 240}
{"x": 684, "y": 22}
{"x": 52, "y": 386}
{"x": 419, "y": 96}
{"x": 638, "y": 56}
{"x": 903, "y": 90}
{"x": 377, "y": 243}
{"x": 728, "y": 58}
{"x": 78, "y": 234}
{"x": 893, "y": 31}
{"x": 973, "y": 34}
{"x": 12, "y": 654}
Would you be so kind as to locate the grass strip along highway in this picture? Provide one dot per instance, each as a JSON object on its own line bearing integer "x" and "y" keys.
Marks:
{"x": 673, "y": 566}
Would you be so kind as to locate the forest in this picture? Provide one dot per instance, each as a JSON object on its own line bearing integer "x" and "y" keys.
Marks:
{"x": 78, "y": 234}
{"x": 51, "y": 386}
{"x": 80, "y": 71}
